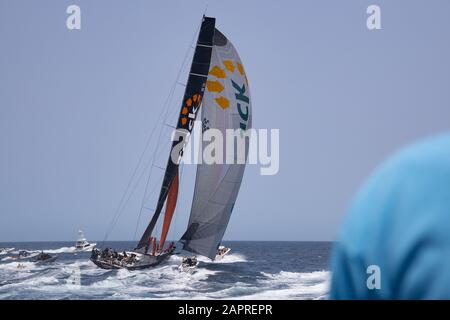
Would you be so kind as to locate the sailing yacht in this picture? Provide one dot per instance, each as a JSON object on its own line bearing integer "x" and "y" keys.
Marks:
{"x": 217, "y": 89}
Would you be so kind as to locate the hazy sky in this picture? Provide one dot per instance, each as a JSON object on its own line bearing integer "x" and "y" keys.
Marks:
{"x": 76, "y": 107}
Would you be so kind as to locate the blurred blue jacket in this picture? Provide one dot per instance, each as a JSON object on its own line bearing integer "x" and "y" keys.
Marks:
{"x": 399, "y": 221}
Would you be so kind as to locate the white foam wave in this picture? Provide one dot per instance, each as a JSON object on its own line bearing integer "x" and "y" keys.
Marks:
{"x": 17, "y": 266}
{"x": 61, "y": 250}
{"x": 229, "y": 258}
{"x": 232, "y": 258}
{"x": 15, "y": 257}
{"x": 293, "y": 285}
{"x": 162, "y": 282}
{"x": 81, "y": 278}
{"x": 72, "y": 249}
{"x": 5, "y": 251}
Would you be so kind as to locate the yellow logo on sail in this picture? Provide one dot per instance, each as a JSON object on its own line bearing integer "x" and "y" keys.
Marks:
{"x": 218, "y": 72}
{"x": 223, "y": 102}
{"x": 229, "y": 65}
{"x": 216, "y": 86}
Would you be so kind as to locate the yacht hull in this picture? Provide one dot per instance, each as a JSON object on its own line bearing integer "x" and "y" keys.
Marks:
{"x": 145, "y": 261}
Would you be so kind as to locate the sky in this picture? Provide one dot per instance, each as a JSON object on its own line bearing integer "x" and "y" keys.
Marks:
{"x": 77, "y": 107}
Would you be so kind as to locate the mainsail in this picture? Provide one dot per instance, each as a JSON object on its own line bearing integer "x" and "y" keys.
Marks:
{"x": 191, "y": 103}
{"x": 226, "y": 105}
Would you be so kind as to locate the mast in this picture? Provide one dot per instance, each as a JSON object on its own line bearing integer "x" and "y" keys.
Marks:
{"x": 192, "y": 99}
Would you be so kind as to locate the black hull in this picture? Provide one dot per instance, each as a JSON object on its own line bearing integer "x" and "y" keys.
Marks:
{"x": 147, "y": 261}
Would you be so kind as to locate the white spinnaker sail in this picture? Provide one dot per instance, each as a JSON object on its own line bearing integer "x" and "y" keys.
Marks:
{"x": 226, "y": 105}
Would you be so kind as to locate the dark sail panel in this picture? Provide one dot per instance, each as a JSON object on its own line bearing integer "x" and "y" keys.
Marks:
{"x": 192, "y": 100}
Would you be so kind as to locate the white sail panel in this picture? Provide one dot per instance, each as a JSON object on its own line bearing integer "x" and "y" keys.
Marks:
{"x": 226, "y": 105}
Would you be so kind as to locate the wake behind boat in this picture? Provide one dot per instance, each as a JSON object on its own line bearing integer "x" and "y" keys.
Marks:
{"x": 216, "y": 81}
{"x": 4, "y": 251}
{"x": 25, "y": 255}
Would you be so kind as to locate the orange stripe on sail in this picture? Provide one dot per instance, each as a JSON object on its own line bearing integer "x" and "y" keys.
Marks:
{"x": 170, "y": 208}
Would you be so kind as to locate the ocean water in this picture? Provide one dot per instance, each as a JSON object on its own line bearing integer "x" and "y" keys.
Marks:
{"x": 252, "y": 270}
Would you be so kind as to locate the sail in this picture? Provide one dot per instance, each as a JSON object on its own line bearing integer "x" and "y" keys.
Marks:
{"x": 170, "y": 209}
{"x": 190, "y": 105}
{"x": 226, "y": 105}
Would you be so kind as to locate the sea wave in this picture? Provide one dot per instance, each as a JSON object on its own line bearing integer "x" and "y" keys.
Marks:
{"x": 229, "y": 258}
{"x": 294, "y": 285}
{"x": 73, "y": 276}
{"x": 5, "y": 251}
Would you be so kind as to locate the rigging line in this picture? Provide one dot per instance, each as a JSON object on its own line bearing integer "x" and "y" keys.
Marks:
{"x": 149, "y": 176}
{"x": 135, "y": 187}
{"x": 142, "y": 202}
{"x": 149, "y": 165}
{"x": 206, "y": 7}
{"x": 122, "y": 201}
{"x": 149, "y": 194}
{"x": 171, "y": 94}
{"x": 122, "y": 204}
{"x": 151, "y": 170}
{"x": 167, "y": 102}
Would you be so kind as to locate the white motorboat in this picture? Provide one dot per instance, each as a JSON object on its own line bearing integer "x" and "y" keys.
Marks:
{"x": 221, "y": 252}
{"x": 82, "y": 244}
